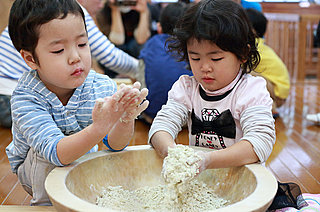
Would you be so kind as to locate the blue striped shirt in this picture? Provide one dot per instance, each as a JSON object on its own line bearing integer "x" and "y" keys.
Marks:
{"x": 12, "y": 64}
{"x": 40, "y": 121}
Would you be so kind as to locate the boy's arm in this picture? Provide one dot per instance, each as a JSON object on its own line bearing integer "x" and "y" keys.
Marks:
{"x": 124, "y": 128}
{"x": 106, "y": 115}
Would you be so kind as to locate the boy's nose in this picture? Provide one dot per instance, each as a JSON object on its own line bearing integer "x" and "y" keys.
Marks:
{"x": 74, "y": 57}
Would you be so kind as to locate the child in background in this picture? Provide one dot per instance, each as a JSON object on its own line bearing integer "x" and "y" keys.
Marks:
{"x": 271, "y": 67}
{"x": 61, "y": 110}
{"x": 158, "y": 69}
{"x": 225, "y": 108}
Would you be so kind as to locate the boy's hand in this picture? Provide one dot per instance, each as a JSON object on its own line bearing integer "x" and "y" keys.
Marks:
{"x": 107, "y": 111}
{"x": 137, "y": 105}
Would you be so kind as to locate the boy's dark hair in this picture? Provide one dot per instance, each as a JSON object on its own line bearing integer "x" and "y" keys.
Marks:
{"x": 169, "y": 16}
{"x": 26, "y": 17}
{"x": 258, "y": 20}
{"x": 224, "y": 23}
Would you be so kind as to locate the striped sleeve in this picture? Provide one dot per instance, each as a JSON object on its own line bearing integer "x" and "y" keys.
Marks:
{"x": 259, "y": 129}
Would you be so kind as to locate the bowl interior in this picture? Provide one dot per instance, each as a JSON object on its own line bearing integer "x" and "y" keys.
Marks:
{"x": 134, "y": 169}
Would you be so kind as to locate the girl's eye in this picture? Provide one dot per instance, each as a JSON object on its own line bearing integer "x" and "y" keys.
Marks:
{"x": 195, "y": 58}
{"x": 82, "y": 45}
{"x": 57, "y": 52}
{"x": 217, "y": 59}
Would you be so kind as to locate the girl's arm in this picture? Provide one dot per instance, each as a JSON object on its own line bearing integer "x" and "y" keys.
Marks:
{"x": 241, "y": 153}
{"x": 160, "y": 141}
{"x": 166, "y": 126}
{"x": 255, "y": 146}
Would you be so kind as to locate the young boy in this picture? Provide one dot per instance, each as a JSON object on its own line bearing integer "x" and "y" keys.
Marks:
{"x": 61, "y": 110}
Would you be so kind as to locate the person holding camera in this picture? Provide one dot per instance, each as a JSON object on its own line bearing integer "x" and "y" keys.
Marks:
{"x": 126, "y": 23}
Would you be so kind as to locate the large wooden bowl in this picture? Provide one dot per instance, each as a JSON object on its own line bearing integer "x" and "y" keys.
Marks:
{"x": 75, "y": 187}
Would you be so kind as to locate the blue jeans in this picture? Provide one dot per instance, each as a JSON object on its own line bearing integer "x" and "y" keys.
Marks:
{"x": 5, "y": 111}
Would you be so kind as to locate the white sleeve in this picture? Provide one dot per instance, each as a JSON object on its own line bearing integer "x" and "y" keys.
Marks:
{"x": 259, "y": 129}
{"x": 106, "y": 53}
{"x": 170, "y": 118}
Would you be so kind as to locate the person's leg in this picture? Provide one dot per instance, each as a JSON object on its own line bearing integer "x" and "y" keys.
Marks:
{"x": 32, "y": 175}
{"x": 5, "y": 111}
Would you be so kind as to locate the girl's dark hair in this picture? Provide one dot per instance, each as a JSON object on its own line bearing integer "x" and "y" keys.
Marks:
{"x": 26, "y": 17}
{"x": 222, "y": 22}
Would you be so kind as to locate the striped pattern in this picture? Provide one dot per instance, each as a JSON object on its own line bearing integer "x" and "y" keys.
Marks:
{"x": 40, "y": 120}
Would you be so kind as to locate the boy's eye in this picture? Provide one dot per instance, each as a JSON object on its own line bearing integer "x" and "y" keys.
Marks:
{"x": 217, "y": 59}
{"x": 82, "y": 45}
{"x": 57, "y": 52}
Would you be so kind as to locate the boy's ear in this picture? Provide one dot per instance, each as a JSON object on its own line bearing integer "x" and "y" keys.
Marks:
{"x": 29, "y": 59}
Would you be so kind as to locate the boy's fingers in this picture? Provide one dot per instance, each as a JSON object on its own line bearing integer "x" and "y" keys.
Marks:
{"x": 136, "y": 85}
{"x": 134, "y": 114}
{"x": 142, "y": 107}
{"x": 121, "y": 92}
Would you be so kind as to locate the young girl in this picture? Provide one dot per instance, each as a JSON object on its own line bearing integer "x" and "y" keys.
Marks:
{"x": 225, "y": 108}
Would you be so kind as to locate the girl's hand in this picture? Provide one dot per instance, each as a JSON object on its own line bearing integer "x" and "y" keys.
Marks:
{"x": 203, "y": 163}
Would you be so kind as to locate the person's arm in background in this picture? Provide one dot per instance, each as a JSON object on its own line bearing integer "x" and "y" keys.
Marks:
{"x": 142, "y": 32}
{"x": 117, "y": 33}
{"x": 106, "y": 53}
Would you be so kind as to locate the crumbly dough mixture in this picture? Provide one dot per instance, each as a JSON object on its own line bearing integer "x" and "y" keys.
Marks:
{"x": 180, "y": 165}
{"x": 182, "y": 192}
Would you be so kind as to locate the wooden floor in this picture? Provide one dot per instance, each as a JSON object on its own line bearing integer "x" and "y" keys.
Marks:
{"x": 295, "y": 158}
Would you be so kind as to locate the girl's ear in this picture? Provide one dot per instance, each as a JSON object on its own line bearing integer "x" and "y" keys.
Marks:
{"x": 29, "y": 59}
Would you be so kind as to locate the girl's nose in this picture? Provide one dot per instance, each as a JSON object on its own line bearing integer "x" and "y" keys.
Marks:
{"x": 206, "y": 67}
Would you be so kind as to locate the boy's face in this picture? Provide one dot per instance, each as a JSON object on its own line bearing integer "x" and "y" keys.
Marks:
{"x": 212, "y": 67}
{"x": 64, "y": 58}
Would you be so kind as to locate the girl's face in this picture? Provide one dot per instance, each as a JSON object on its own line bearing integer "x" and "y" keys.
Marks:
{"x": 63, "y": 52}
{"x": 212, "y": 67}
